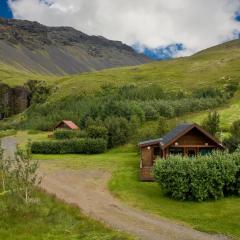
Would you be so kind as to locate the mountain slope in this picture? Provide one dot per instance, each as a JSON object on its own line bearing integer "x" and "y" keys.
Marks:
{"x": 60, "y": 50}
{"x": 215, "y": 66}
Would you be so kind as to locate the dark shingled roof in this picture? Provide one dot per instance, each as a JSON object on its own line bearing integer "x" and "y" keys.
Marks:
{"x": 169, "y": 136}
{"x": 175, "y": 132}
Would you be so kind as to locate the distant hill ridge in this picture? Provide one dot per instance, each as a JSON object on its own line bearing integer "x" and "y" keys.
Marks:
{"x": 60, "y": 50}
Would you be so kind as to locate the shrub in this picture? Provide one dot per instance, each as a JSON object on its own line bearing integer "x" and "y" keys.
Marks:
{"x": 68, "y": 134}
{"x": 212, "y": 123}
{"x": 201, "y": 178}
{"x": 97, "y": 132}
{"x": 84, "y": 146}
{"x": 64, "y": 134}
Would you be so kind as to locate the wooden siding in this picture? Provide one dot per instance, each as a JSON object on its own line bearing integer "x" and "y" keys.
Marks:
{"x": 194, "y": 137}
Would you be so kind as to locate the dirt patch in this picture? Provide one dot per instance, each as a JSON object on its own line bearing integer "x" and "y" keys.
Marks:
{"x": 88, "y": 190}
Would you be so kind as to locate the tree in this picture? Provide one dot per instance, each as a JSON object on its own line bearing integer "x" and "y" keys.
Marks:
{"x": 118, "y": 131}
{"x": 163, "y": 126}
{"x": 96, "y": 131}
{"x": 212, "y": 123}
{"x": 24, "y": 175}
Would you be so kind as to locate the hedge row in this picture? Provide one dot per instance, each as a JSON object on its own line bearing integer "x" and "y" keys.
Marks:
{"x": 86, "y": 146}
{"x": 201, "y": 178}
{"x": 68, "y": 134}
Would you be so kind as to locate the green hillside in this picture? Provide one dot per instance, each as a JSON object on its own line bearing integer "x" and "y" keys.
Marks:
{"x": 73, "y": 94}
{"x": 216, "y": 65}
{"x": 14, "y": 76}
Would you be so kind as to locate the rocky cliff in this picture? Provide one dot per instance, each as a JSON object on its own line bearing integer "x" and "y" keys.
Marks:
{"x": 60, "y": 50}
{"x": 13, "y": 100}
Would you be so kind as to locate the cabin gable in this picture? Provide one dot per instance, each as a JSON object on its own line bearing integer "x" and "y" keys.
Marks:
{"x": 194, "y": 137}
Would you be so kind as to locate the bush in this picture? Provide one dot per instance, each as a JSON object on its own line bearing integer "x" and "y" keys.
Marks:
{"x": 68, "y": 134}
{"x": 84, "y": 146}
{"x": 97, "y": 132}
{"x": 201, "y": 178}
{"x": 64, "y": 134}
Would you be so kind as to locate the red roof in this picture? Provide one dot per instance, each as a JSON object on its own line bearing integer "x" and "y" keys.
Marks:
{"x": 69, "y": 124}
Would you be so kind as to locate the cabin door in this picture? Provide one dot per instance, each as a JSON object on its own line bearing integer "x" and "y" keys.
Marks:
{"x": 191, "y": 152}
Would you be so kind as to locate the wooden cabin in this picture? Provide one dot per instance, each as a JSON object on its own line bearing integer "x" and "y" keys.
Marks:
{"x": 67, "y": 124}
{"x": 185, "y": 139}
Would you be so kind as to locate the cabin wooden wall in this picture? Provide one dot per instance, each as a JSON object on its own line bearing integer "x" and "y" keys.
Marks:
{"x": 147, "y": 160}
{"x": 194, "y": 137}
{"x": 62, "y": 126}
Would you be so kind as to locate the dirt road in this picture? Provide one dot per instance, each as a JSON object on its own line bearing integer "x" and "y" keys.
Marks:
{"x": 88, "y": 190}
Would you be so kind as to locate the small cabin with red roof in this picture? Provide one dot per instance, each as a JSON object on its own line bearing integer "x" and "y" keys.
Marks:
{"x": 67, "y": 124}
{"x": 185, "y": 139}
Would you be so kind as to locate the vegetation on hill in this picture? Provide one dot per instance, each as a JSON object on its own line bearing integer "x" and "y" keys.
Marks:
{"x": 169, "y": 89}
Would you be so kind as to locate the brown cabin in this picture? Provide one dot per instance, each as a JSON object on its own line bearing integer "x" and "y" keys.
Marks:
{"x": 66, "y": 124}
{"x": 185, "y": 139}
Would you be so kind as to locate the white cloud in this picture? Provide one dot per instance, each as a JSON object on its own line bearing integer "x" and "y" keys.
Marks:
{"x": 153, "y": 23}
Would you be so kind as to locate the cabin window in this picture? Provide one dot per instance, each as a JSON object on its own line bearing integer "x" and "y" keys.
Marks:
{"x": 157, "y": 151}
{"x": 176, "y": 151}
{"x": 205, "y": 151}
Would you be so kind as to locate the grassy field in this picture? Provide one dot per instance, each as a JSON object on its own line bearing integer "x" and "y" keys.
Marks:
{"x": 222, "y": 216}
{"x": 17, "y": 77}
{"x": 51, "y": 219}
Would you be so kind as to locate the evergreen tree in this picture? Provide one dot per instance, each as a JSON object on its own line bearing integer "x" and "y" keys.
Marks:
{"x": 212, "y": 123}
{"x": 163, "y": 126}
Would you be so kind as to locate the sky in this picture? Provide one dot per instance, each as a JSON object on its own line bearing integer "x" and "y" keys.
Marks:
{"x": 158, "y": 28}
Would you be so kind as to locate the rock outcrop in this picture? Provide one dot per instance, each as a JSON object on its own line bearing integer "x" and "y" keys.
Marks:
{"x": 13, "y": 100}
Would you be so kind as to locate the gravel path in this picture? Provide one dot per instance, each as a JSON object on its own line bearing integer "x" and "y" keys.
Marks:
{"x": 87, "y": 189}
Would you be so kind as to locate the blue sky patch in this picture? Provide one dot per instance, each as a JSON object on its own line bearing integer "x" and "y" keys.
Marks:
{"x": 160, "y": 53}
{"x": 5, "y": 10}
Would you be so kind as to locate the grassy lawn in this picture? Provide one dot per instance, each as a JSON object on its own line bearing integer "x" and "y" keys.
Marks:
{"x": 222, "y": 216}
{"x": 5, "y": 133}
{"x": 51, "y": 220}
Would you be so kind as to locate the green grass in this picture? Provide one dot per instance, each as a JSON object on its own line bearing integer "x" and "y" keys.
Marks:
{"x": 222, "y": 216}
{"x": 51, "y": 219}
{"x": 228, "y": 114}
{"x": 9, "y": 132}
{"x": 18, "y": 77}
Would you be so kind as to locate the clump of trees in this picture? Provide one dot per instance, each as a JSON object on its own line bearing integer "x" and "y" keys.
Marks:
{"x": 19, "y": 175}
{"x": 201, "y": 178}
